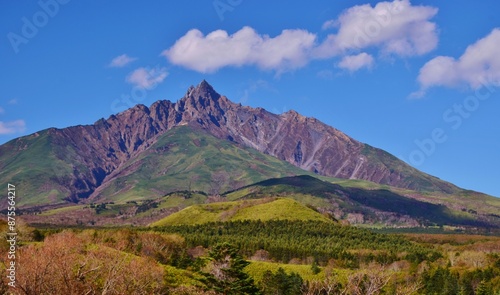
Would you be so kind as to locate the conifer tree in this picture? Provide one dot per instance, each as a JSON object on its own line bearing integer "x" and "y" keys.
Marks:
{"x": 224, "y": 272}
{"x": 281, "y": 283}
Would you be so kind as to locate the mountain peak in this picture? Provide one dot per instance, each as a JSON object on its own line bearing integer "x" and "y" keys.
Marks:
{"x": 204, "y": 85}
{"x": 199, "y": 99}
{"x": 202, "y": 92}
{"x": 205, "y": 88}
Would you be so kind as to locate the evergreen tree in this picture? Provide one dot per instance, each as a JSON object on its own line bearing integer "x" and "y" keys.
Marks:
{"x": 225, "y": 273}
{"x": 281, "y": 283}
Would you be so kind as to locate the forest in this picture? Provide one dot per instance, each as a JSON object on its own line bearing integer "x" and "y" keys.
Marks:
{"x": 250, "y": 257}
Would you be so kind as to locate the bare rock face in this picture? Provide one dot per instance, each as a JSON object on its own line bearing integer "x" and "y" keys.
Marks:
{"x": 96, "y": 151}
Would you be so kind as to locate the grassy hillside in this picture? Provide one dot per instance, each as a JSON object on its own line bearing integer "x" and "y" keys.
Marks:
{"x": 31, "y": 163}
{"x": 261, "y": 209}
{"x": 376, "y": 205}
{"x": 186, "y": 158}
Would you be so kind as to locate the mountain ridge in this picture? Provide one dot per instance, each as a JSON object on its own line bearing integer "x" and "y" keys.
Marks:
{"x": 89, "y": 154}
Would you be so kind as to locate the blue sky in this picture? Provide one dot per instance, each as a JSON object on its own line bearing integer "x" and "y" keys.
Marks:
{"x": 416, "y": 78}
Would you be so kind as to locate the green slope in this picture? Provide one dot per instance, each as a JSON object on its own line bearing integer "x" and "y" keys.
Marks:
{"x": 261, "y": 209}
{"x": 186, "y": 158}
{"x": 343, "y": 200}
{"x": 32, "y": 164}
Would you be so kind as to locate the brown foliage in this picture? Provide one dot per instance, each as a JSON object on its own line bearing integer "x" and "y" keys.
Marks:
{"x": 161, "y": 247}
{"x": 66, "y": 264}
{"x": 370, "y": 283}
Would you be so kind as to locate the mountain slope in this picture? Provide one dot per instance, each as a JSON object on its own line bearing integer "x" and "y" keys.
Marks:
{"x": 381, "y": 206}
{"x": 304, "y": 142}
{"x": 79, "y": 162}
{"x": 187, "y": 158}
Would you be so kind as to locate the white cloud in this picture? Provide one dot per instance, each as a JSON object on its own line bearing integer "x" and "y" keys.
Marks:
{"x": 121, "y": 61}
{"x": 147, "y": 78}
{"x": 11, "y": 127}
{"x": 395, "y": 27}
{"x": 218, "y": 49}
{"x": 356, "y": 62}
{"x": 479, "y": 65}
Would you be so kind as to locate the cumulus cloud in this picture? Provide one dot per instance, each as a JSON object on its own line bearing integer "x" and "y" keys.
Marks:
{"x": 218, "y": 49}
{"x": 395, "y": 27}
{"x": 121, "y": 61}
{"x": 17, "y": 126}
{"x": 478, "y": 65}
{"x": 147, "y": 78}
{"x": 353, "y": 63}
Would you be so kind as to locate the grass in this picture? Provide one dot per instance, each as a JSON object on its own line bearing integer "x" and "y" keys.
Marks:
{"x": 175, "y": 277}
{"x": 180, "y": 200}
{"x": 30, "y": 162}
{"x": 260, "y": 209}
{"x": 279, "y": 209}
{"x": 352, "y": 196}
{"x": 61, "y": 210}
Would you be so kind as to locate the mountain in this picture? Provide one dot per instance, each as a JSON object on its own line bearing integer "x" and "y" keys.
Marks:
{"x": 186, "y": 158}
{"x": 76, "y": 163}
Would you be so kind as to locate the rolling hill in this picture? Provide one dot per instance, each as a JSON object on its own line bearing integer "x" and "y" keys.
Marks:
{"x": 260, "y": 209}
{"x": 377, "y": 204}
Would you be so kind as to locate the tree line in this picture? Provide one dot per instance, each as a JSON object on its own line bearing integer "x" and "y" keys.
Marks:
{"x": 286, "y": 240}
